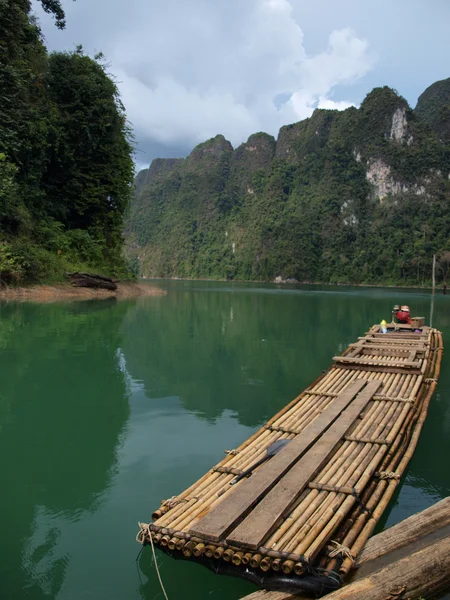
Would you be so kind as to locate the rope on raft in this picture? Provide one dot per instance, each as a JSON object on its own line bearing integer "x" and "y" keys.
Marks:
{"x": 341, "y": 550}
{"x": 144, "y": 532}
{"x": 388, "y": 475}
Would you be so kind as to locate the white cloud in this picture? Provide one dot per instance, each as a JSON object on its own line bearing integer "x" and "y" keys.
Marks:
{"x": 332, "y": 105}
{"x": 190, "y": 70}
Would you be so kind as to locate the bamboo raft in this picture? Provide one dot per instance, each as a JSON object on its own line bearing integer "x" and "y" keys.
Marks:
{"x": 300, "y": 521}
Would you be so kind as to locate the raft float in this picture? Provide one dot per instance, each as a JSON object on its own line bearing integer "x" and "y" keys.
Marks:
{"x": 298, "y": 513}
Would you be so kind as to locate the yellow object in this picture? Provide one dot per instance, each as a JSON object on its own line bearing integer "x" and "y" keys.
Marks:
{"x": 383, "y": 323}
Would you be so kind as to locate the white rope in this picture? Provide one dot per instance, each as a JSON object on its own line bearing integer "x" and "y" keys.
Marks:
{"x": 156, "y": 564}
{"x": 388, "y": 475}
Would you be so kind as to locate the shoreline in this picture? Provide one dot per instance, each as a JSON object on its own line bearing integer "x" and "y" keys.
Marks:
{"x": 60, "y": 292}
{"x": 438, "y": 288}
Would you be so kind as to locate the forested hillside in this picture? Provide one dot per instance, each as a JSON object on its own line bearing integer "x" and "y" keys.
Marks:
{"x": 358, "y": 196}
{"x": 65, "y": 156}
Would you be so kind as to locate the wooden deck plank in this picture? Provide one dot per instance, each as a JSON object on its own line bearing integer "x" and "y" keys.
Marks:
{"x": 377, "y": 368}
{"x": 387, "y": 548}
{"x": 405, "y": 533}
{"x": 412, "y": 355}
{"x": 399, "y": 336}
{"x": 402, "y": 327}
{"x": 266, "y": 517}
{"x": 375, "y": 362}
{"x": 382, "y": 345}
{"x": 399, "y": 352}
{"x": 228, "y": 513}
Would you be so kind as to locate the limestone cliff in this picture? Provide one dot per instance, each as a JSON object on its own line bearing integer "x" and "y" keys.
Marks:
{"x": 344, "y": 196}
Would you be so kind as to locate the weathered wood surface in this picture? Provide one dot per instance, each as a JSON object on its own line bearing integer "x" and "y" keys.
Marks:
{"x": 398, "y": 336}
{"x": 423, "y": 572}
{"x": 377, "y": 368}
{"x": 401, "y": 326}
{"x": 265, "y": 518}
{"x": 402, "y": 352}
{"x": 376, "y": 362}
{"x": 91, "y": 281}
{"x": 265, "y": 595}
{"x": 389, "y": 341}
{"x": 409, "y": 560}
{"x": 406, "y": 532}
{"x": 228, "y": 513}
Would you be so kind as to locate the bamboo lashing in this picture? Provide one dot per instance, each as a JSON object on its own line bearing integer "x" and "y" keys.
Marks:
{"x": 331, "y": 519}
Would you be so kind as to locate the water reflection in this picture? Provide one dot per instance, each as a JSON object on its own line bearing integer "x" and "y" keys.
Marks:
{"x": 106, "y": 408}
{"x": 216, "y": 350}
{"x": 62, "y": 409}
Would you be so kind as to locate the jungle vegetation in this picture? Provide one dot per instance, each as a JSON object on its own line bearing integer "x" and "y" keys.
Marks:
{"x": 309, "y": 206}
{"x": 66, "y": 171}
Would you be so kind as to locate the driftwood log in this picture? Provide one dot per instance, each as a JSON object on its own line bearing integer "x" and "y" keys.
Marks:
{"x": 91, "y": 281}
{"x": 409, "y": 560}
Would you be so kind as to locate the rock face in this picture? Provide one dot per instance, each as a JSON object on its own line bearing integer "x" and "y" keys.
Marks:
{"x": 256, "y": 153}
{"x": 297, "y": 140}
{"x": 209, "y": 153}
{"x": 342, "y": 196}
{"x": 380, "y": 177}
{"x": 399, "y": 125}
{"x": 163, "y": 166}
{"x": 159, "y": 168}
{"x": 141, "y": 180}
{"x": 383, "y": 183}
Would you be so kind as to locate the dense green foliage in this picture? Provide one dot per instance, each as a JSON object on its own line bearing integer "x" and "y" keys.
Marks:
{"x": 433, "y": 106}
{"x": 65, "y": 156}
{"x": 358, "y": 196}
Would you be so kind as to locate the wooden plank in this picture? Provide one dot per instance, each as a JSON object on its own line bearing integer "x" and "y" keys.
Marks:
{"x": 370, "y": 361}
{"x": 225, "y": 516}
{"x": 382, "y": 345}
{"x": 406, "y": 532}
{"x": 266, "y": 595}
{"x": 416, "y": 532}
{"x": 400, "y": 336}
{"x": 423, "y": 572}
{"x": 267, "y": 515}
{"x": 377, "y": 369}
{"x": 412, "y": 355}
{"x": 381, "y": 337}
{"x": 399, "y": 352}
{"x": 354, "y": 352}
{"x": 401, "y": 328}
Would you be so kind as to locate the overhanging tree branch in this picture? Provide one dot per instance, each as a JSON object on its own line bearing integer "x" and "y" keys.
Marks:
{"x": 54, "y": 7}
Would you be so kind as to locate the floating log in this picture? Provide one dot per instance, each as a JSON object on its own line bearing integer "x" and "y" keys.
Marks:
{"x": 91, "y": 281}
{"x": 352, "y": 433}
{"x": 409, "y": 560}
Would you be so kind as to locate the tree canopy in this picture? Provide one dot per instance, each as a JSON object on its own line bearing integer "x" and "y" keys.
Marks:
{"x": 66, "y": 170}
{"x": 54, "y": 7}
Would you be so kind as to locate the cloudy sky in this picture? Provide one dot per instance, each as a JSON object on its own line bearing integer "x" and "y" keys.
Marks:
{"x": 189, "y": 69}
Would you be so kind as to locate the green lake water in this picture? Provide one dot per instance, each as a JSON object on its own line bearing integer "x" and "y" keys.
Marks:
{"x": 108, "y": 407}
